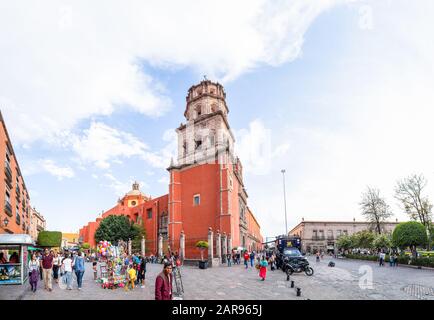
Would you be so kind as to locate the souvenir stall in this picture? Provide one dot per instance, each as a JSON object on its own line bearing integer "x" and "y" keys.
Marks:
{"x": 112, "y": 270}
{"x": 14, "y": 258}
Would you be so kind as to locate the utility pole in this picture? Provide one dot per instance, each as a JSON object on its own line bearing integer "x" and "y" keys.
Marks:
{"x": 284, "y": 201}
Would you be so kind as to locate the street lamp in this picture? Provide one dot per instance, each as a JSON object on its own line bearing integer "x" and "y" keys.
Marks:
{"x": 284, "y": 200}
{"x": 5, "y": 221}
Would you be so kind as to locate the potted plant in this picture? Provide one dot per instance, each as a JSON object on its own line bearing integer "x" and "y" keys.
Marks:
{"x": 202, "y": 246}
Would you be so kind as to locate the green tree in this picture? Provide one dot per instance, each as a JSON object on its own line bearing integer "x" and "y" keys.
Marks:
{"x": 114, "y": 228}
{"x": 409, "y": 234}
{"x": 382, "y": 241}
{"x": 363, "y": 239}
{"x": 344, "y": 242}
{"x": 202, "y": 246}
{"x": 50, "y": 238}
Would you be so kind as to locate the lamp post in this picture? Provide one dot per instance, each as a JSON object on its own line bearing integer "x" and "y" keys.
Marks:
{"x": 284, "y": 200}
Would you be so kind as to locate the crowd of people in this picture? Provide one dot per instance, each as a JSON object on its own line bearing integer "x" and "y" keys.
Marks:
{"x": 48, "y": 265}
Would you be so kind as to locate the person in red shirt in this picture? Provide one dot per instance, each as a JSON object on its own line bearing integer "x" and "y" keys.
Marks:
{"x": 163, "y": 283}
{"x": 47, "y": 268}
{"x": 246, "y": 259}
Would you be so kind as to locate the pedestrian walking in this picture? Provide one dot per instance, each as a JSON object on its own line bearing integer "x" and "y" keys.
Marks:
{"x": 229, "y": 259}
{"x": 246, "y": 259}
{"x": 95, "y": 270}
{"x": 272, "y": 262}
{"x": 391, "y": 260}
{"x": 252, "y": 258}
{"x": 67, "y": 270}
{"x": 57, "y": 262}
{"x": 79, "y": 267}
{"x": 33, "y": 272}
{"x": 395, "y": 259}
{"x": 263, "y": 268}
{"x": 47, "y": 269}
{"x": 317, "y": 256}
{"x": 142, "y": 272}
{"x": 382, "y": 257}
{"x": 163, "y": 283}
{"x": 39, "y": 257}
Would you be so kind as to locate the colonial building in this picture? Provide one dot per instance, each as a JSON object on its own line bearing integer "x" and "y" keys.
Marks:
{"x": 206, "y": 188}
{"x": 14, "y": 197}
{"x": 322, "y": 235}
{"x": 37, "y": 223}
{"x": 69, "y": 239}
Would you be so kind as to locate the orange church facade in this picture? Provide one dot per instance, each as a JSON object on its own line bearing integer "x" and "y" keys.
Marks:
{"x": 206, "y": 188}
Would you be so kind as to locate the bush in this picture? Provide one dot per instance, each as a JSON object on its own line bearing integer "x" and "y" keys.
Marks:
{"x": 50, "y": 238}
{"x": 85, "y": 246}
{"x": 403, "y": 259}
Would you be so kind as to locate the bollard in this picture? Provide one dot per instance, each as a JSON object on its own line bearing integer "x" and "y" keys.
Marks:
{"x": 298, "y": 292}
{"x": 292, "y": 284}
{"x": 287, "y": 277}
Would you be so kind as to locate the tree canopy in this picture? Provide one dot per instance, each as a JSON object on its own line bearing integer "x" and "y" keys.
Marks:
{"x": 114, "y": 228}
{"x": 375, "y": 208}
{"x": 407, "y": 234}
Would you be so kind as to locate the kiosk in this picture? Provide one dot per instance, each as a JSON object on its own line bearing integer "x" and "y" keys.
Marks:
{"x": 14, "y": 258}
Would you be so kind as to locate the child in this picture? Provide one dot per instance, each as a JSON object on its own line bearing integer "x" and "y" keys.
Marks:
{"x": 95, "y": 272}
{"x": 131, "y": 277}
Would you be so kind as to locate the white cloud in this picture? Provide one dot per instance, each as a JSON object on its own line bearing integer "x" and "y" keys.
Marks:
{"x": 257, "y": 148}
{"x": 120, "y": 188}
{"x": 102, "y": 145}
{"x": 63, "y": 62}
{"x": 55, "y": 170}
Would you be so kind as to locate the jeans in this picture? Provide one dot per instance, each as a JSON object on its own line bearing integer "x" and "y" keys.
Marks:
{"x": 79, "y": 275}
{"x": 251, "y": 262}
{"x": 68, "y": 277}
{"x": 229, "y": 262}
{"x": 246, "y": 263}
{"x": 55, "y": 272}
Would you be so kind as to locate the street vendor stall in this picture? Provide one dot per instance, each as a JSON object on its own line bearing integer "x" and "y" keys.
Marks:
{"x": 14, "y": 258}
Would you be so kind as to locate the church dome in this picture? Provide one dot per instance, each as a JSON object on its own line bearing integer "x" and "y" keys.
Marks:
{"x": 136, "y": 191}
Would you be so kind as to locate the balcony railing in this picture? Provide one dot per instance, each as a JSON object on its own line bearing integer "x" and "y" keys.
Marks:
{"x": 8, "y": 171}
{"x": 8, "y": 208}
{"x": 18, "y": 219}
{"x": 317, "y": 238}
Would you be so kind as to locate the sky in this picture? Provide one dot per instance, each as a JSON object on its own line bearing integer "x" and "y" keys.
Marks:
{"x": 338, "y": 93}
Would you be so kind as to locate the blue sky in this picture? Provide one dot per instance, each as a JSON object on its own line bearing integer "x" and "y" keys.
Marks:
{"x": 337, "y": 92}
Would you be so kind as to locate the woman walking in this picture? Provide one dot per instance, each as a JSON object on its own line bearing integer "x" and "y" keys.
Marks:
{"x": 79, "y": 269}
{"x": 57, "y": 262}
{"x": 33, "y": 272}
{"x": 142, "y": 272}
{"x": 263, "y": 268}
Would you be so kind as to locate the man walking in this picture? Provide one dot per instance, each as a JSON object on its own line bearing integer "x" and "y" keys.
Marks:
{"x": 246, "y": 259}
{"x": 47, "y": 269}
{"x": 252, "y": 258}
{"x": 79, "y": 269}
{"x": 382, "y": 257}
{"x": 163, "y": 283}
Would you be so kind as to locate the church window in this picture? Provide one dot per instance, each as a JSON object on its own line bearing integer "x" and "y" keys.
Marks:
{"x": 133, "y": 203}
{"x": 149, "y": 213}
{"x": 196, "y": 199}
{"x": 198, "y": 144}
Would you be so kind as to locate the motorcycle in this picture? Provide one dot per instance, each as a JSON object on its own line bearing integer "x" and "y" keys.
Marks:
{"x": 299, "y": 265}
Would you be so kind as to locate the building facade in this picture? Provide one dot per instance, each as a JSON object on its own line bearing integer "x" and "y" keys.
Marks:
{"x": 14, "y": 197}
{"x": 37, "y": 223}
{"x": 69, "y": 240}
{"x": 322, "y": 235}
{"x": 206, "y": 188}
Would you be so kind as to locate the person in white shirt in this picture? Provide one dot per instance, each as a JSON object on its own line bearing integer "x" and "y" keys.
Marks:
{"x": 57, "y": 262}
{"x": 67, "y": 267}
{"x": 33, "y": 272}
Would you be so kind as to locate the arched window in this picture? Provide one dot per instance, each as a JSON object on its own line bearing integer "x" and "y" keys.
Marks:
{"x": 198, "y": 110}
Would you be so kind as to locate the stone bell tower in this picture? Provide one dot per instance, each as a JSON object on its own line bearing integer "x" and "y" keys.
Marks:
{"x": 206, "y": 136}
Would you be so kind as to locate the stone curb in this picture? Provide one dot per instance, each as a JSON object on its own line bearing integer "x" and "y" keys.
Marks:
{"x": 400, "y": 265}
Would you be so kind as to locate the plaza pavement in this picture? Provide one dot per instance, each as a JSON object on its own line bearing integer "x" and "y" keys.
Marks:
{"x": 340, "y": 282}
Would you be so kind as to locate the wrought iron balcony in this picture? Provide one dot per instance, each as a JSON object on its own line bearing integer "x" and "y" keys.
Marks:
{"x": 8, "y": 208}
{"x": 8, "y": 171}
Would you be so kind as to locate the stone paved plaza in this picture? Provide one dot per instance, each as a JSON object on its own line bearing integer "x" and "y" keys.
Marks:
{"x": 340, "y": 282}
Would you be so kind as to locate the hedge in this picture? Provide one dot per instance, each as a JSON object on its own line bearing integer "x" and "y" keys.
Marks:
{"x": 50, "y": 238}
{"x": 422, "y": 261}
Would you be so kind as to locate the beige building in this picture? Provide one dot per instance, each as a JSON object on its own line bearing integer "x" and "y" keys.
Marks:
{"x": 37, "y": 223}
{"x": 322, "y": 235}
{"x": 70, "y": 239}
